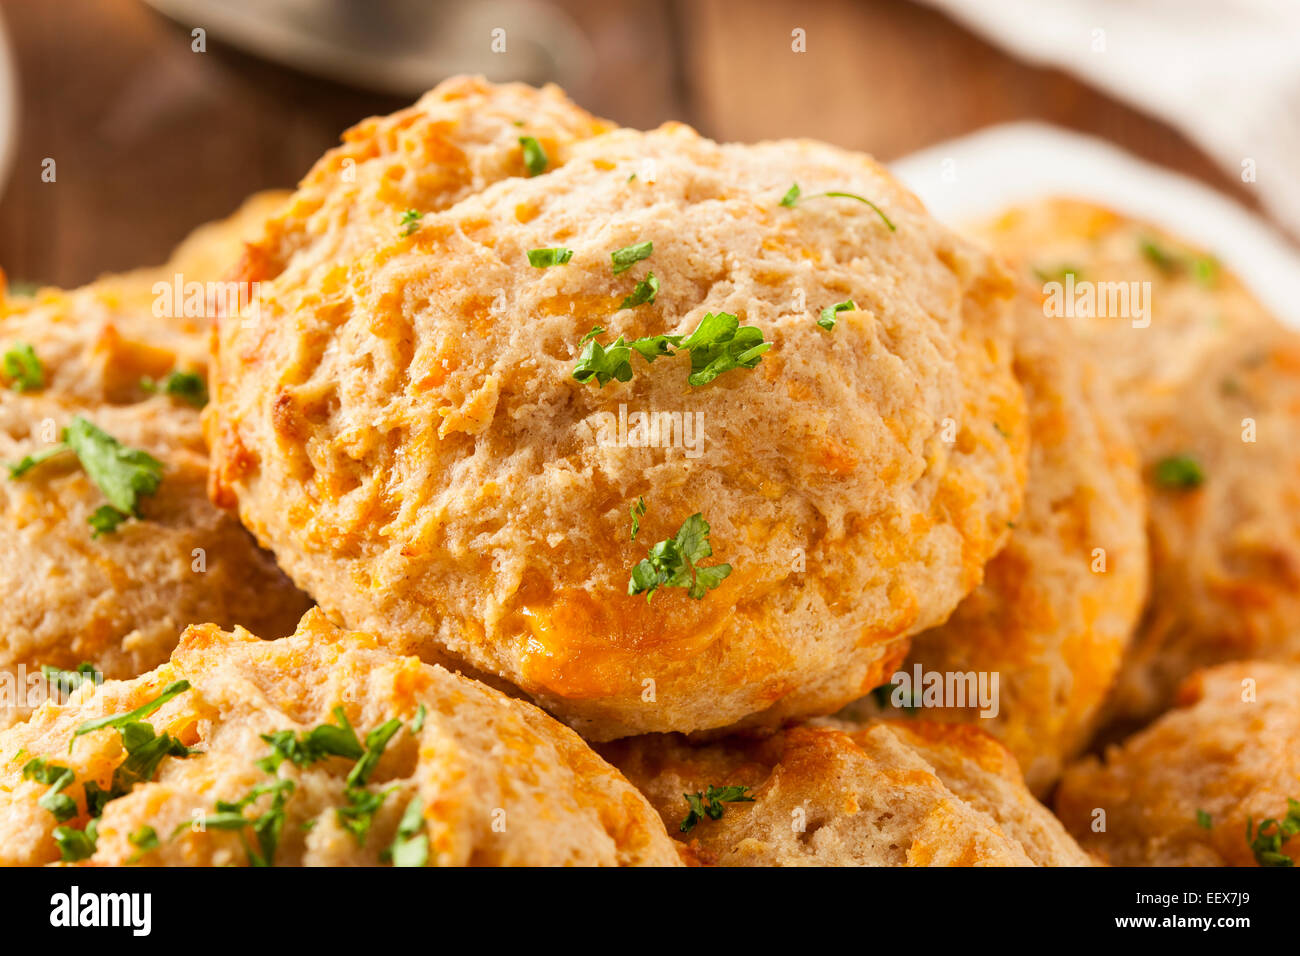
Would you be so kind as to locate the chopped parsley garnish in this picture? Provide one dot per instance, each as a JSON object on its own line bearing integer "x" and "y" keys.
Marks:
{"x": 1204, "y": 269}
{"x": 628, "y": 256}
{"x": 718, "y": 344}
{"x": 68, "y": 681}
{"x": 376, "y": 741}
{"x": 145, "y": 751}
{"x": 28, "y": 462}
{"x": 1204, "y": 820}
{"x": 360, "y": 811}
{"x": 827, "y": 319}
{"x": 709, "y": 804}
{"x": 1057, "y": 274}
{"x": 417, "y": 725}
{"x": 105, "y": 520}
{"x": 1266, "y": 842}
{"x": 124, "y": 475}
{"x": 410, "y": 221}
{"x": 643, "y": 294}
{"x": 794, "y": 195}
{"x": 144, "y": 710}
{"x": 75, "y": 845}
{"x": 145, "y": 838}
{"x": 189, "y": 387}
{"x": 57, "y": 778}
{"x": 410, "y": 846}
{"x": 674, "y": 563}
{"x": 1161, "y": 258}
{"x": 545, "y": 258}
{"x": 23, "y": 368}
{"x": 607, "y": 364}
{"x": 1180, "y": 472}
{"x": 638, "y": 512}
{"x": 535, "y": 159}
{"x": 267, "y": 826}
{"x": 302, "y": 750}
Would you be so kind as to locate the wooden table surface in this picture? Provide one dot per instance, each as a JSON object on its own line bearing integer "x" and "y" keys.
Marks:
{"x": 151, "y": 138}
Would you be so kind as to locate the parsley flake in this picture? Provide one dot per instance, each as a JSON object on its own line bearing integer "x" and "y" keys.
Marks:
{"x": 410, "y": 221}
{"x": 643, "y": 294}
{"x": 124, "y": 475}
{"x": 23, "y": 368}
{"x": 674, "y": 563}
{"x": 75, "y": 845}
{"x": 302, "y": 750}
{"x": 68, "y": 681}
{"x": 718, "y": 344}
{"x": 144, "y": 710}
{"x": 827, "y": 319}
{"x": 188, "y": 387}
{"x": 709, "y": 804}
{"x": 410, "y": 846}
{"x": 638, "y": 512}
{"x": 794, "y": 195}
{"x": 1179, "y": 472}
{"x": 1267, "y": 841}
{"x": 628, "y": 256}
{"x": 535, "y": 159}
{"x": 545, "y": 258}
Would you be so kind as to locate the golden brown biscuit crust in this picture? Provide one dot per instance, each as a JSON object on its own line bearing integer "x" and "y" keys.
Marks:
{"x": 402, "y": 425}
{"x": 834, "y": 794}
{"x": 1060, "y": 602}
{"x": 500, "y": 783}
{"x": 1180, "y": 792}
{"x": 1214, "y": 381}
{"x": 121, "y": 600}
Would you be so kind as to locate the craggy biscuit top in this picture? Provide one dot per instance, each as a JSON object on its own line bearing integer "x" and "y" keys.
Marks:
{"x": 454, "y": 142}
{"x": 106, "y": 354}
{"x": 402, "y": 424}
{"x": 1213, "y": 782}
{"x": 1060, "y": 602}
{"x": 1209, "y": 383}
{"x": 1152, "y": 338}
{"x": 832, "y": 794}
{"x": 316, "y": 749}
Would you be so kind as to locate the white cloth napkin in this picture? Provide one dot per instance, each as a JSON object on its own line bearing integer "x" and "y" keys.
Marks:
{"x": 1224, "y": 72}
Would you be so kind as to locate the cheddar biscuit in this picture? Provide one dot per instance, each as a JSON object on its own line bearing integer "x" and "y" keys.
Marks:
{"x": 1213, "y": 782}
{"x": 1060, "y": 602}
{"x": 115, "y": 600}
{"x": 833, "y": 794}
{"x": 1209, "y": 383}
{"x": 325, "y": 742}
{"x": 427, "y": 428}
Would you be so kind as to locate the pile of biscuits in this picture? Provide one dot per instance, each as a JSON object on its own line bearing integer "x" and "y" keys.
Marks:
{"x": 526, "y": 490}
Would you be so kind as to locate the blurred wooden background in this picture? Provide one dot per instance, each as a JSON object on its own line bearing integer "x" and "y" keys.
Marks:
{"x": 151, "y": 138}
